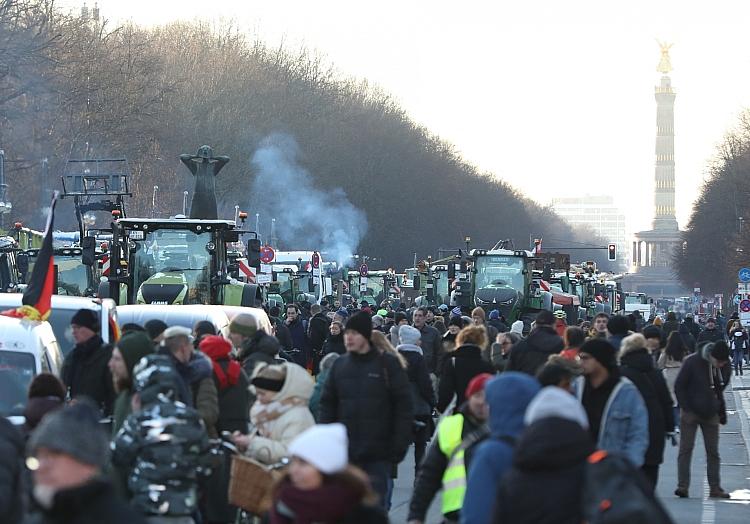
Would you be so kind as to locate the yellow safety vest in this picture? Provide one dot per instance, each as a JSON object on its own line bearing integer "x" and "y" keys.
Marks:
{"x": 454, "y": 477}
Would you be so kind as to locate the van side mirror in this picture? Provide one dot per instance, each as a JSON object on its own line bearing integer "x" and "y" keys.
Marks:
{"x": 88, "y": 249}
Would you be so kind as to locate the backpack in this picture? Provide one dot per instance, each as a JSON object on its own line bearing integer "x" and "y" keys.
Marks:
{"x": 616, "y": 493}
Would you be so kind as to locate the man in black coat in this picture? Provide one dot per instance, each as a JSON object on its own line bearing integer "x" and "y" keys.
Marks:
{"x": 712, "y": 333}
{"x": 369, "y": 392}
{"x": 69, "y": 449}
{"x": 532, "y": 352}
{"x": 432, "y": 340}
{"x": 317, "y": 330}
{"x": 85, "y": 371}
{"x": 638, "y": 365}
{"x": 699, "y": 389}
{"x": 301, "y": 353}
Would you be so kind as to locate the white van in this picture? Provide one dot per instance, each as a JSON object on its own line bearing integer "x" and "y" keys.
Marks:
{"x": 26, "y": 349}
{"x": 174, "y": 315}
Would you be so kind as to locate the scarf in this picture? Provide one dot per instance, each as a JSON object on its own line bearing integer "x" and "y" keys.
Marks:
{"x": 220, "y": 353}
{"x": 330, "y": 503}
{"x": 262, "y": 414}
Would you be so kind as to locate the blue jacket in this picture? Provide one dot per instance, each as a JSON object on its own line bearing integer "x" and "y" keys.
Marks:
{"x": 508, "y": 395}
{"x": 624, "y": 427}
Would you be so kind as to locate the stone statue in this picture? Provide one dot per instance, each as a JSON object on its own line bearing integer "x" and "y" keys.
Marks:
{"x": 205, "y": 166}
{"x": 665, "y": 65}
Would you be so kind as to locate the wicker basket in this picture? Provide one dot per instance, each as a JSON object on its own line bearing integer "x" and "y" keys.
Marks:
{"x": 251, "y": 485}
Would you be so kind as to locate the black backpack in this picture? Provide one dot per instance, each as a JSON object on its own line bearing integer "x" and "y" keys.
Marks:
{"x": 616, "y": 493}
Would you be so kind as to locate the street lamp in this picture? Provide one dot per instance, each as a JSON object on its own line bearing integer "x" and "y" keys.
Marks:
{"x": 467, "y": 240}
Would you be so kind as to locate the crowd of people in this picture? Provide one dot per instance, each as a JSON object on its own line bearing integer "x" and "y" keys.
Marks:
{"x": 493, "y": 410}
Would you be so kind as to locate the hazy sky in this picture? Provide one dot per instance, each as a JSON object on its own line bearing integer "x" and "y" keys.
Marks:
{"x": 556, "y": 98}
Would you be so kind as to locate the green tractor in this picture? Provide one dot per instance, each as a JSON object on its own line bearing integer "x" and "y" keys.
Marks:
{"x": 502, "y": 279}
{"x": 176, "y": 261}
{"x": 11, "y": 265}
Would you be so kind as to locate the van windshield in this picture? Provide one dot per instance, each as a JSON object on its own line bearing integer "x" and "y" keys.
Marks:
{"x": 16, "y": 371}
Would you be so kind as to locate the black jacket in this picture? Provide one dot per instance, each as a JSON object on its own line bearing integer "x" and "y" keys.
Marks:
{"x": 532, "y": 352}
{"x": 710, "y": 335}
{"x": 11, "y": 473}
{"x": 693, "y": 385}
{"x": 550, "y": 461}
{"x": 370, "y": 394}
{"x": 418, "y": 374}
{"x": 85, "y": 372}
{"x": 459, "y": 368}
{"x": 93, "y": 503}
{"x": 432, "y": 346}
{"x": 430, "y": 478}
{"x": 262, "y": 347}
{"x": 318, "y": 331}
{"x": 234, "y": 403}
{"x": 334, "y": 344}
{"x": 638, "y": 366}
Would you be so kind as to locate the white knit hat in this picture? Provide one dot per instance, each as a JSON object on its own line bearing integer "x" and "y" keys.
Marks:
{"x": 555, "y": 402}
{"x": 517, "y": 327}
{"x": 409, "y": 335}
{"x": 325, "y": 446}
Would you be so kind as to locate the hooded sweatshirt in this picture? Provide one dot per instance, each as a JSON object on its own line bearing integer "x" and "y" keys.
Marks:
{"x": 508, "y": 397}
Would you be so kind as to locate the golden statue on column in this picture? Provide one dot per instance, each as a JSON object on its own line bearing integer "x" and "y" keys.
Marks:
{"x": 665, "y": 65}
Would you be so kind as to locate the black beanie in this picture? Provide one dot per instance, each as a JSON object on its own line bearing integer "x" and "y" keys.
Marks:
{"x": 602, "y": 351}
{"x": 360, "y": 322}
{"x": 720, "y": 351}
{"x": 456, "y": 321}
{"x": 86, "y": 318}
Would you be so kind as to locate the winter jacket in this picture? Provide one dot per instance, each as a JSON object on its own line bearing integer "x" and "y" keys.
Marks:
{"x": 532, "y": 352}
{"x": 234, "y": 403}
{"x": 710, "y": 335}
{"x": 417, "y": 372}
{"x": 670, "y": 368}
{"x": 318, "y": 331}
{"x": 320, "y": 384}
{"x": 550, "y": 459}
{"x": 370, "y": 394}
{"x": 694, "y": 386}
{"x": 638, "y": 366}
{"x": 285, "y": 417}
{"x": 336, "y": 501}
{"x": 283, "y": 335}
{"x": 432, "y": 345}
{"x": 508, "y": 396}
{"x": 85, "y": 372}
{"x": 616, "y": 340}
{"x": 166, "y": 449}
{"x": 460, "y": 367}
{"x": 262, "y": 347}
{"x": 11, "y": 472}
{"x": 668, "y": 327}
{"x": 301, "y": 351}
{"x": 335, "y": 344}
{"x": 499, "y": 325}
{"x": 694, "y": 328}
{"x": 430, "y": 478}
{"x": 205, "y": 395}
{"x": 624, "y": 421}
{"x": 687, "y": 337}
{"x": 92, "y": 503}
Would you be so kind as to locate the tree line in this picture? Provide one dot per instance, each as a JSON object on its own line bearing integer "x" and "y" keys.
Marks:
{"x": 74, "y": 88}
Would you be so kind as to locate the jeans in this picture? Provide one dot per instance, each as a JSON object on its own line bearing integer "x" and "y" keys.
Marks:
{"x": 689, "y": 423}
{"x": 379, "y": 473}
{"x": 737, "y": 359}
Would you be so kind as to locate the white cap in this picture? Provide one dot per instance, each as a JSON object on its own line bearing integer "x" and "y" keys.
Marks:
{"x": 555, "y": 402}
{"x": 325, "y": 446}
{"x": 517, "y": 327}
{"x": 176, "y": 331}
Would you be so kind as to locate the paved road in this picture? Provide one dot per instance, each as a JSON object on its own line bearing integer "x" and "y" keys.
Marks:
{"x": 698, "y": 509}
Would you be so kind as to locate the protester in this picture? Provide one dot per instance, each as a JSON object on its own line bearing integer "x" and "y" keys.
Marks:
{"x": 197, "y": 387}
{"x": 618, "y": 420}
{"x": 618, "y": 328}
{"x": 368, "y": 391}
{"x": 431, "y": 339}
{"x": 455, "y": 325}
{"x": 201, "y": 329}
{"x": 11, "y": 473}
{"x": 335, "y": 341}
{"x": 320, "y": 381}
{"x": 128, "y": 351}
{"x": 501, "y": 349}
{"x": 637, "y": 365}
{"x": 317, "y": 329}
{"x": 155, "y": 329}
{"x": 687, "y": 337}
{"x": 450, "y": 455}
{"x": 670, "y": 325}
{"x": 517, "y": 327}
{"x": 85, "y": 372}
{"x": 507, "y": 396}
{"x": 497, "y": 322}
{"x": 654, "y": 341}
{"x": 560, "y": 322}
{"x": 46, "y": 394}
{"x": 559, "y": 371}
{"x": 711, "y": 333}
{"x": 573, "y": 339}
{"x": 68, "y": 451}
{"x": 531, "y": 353}
{"x": 462, "y": 365}
{"x": 700, "y": 394}
{"x": 423, "y": 396}
{"x": 253, "y": 345}
{"x": 599, "y": 328}
{"x": 301, "y": 351}
{"x": 163, "y": 444}
{"x": 321, "y": 486}
{"x": 280, "y": 413}
{"x": 738, "y": 344}
{"x": 670, "y": 363}
{"x": 550, "y": 458}
{"x": 478, "y": 318}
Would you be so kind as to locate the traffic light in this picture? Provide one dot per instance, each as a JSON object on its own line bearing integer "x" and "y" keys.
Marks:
{"x": 612, "y": 251}
{"x": 253, "y": 253}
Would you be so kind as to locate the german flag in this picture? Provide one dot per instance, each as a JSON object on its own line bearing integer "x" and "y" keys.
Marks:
{"x": 37, "y": 298}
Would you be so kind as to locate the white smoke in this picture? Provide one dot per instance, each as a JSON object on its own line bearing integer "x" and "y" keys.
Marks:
{"x": 307, "y": 218}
